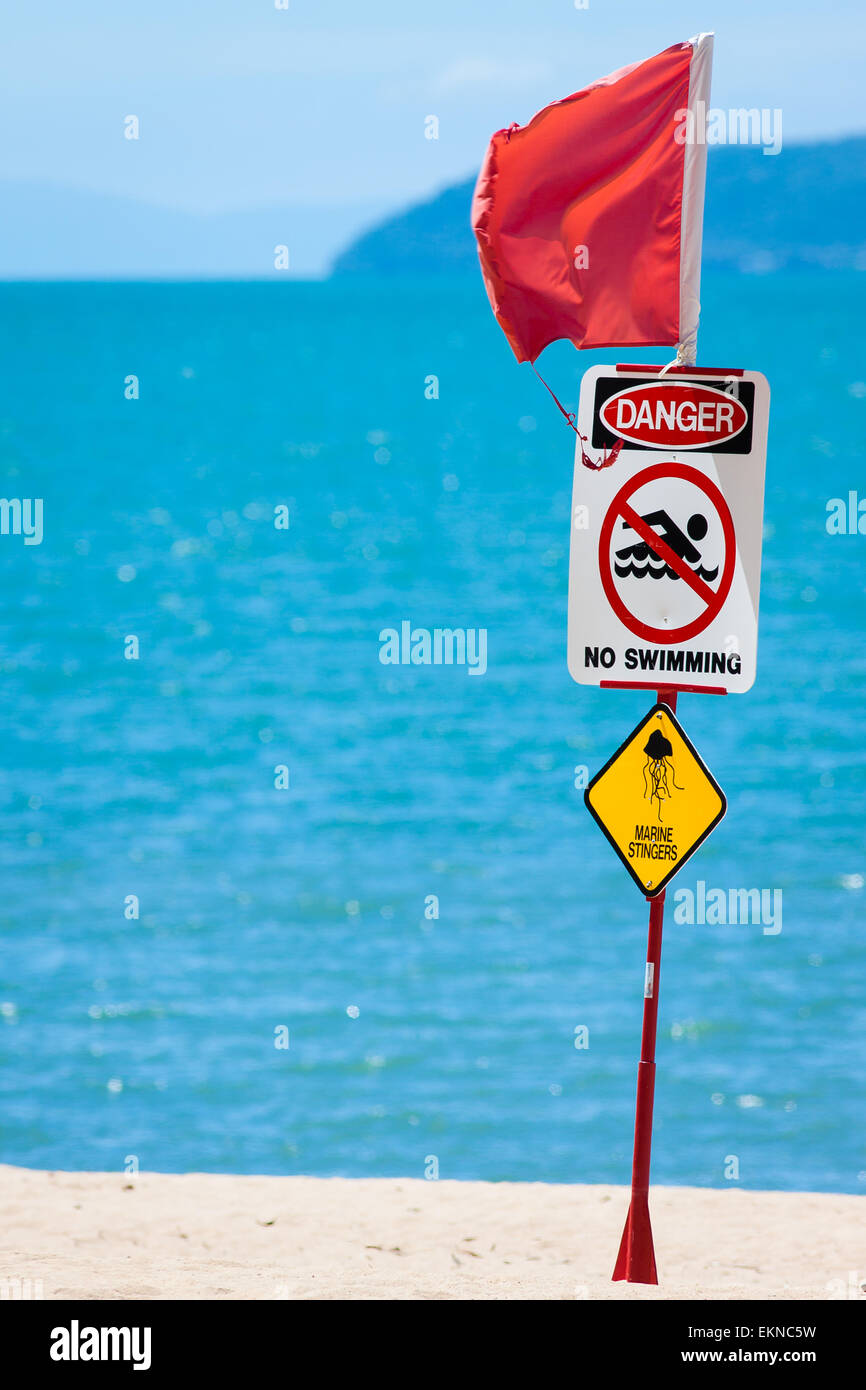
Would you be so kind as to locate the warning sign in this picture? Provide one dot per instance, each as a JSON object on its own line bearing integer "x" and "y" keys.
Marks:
{"x": 674, "y": 413}
{"x": 665, "y": 561}
{"x": 655, "y": 800}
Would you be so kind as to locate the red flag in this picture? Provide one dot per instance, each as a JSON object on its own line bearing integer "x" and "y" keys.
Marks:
{"x": 589, "y": 218}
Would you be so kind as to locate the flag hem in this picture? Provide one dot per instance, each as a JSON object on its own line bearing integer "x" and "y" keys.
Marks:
{"x": 694, "y": 184}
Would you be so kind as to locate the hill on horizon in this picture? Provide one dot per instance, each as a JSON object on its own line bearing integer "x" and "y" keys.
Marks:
{"x": 804, "y": 208}
{"x": 51, "y": 231}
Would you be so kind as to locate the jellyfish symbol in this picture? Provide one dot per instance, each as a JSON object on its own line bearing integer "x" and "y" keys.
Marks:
{"x": 658, "y": 768}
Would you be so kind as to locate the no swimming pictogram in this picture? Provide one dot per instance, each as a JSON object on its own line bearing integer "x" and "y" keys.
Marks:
{"x": 643, "y": 540}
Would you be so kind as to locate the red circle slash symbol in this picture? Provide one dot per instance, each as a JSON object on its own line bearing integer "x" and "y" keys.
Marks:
{"x": 713, "y": 598}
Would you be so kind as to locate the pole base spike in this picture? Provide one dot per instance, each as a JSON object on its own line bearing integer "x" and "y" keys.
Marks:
{"x": 636, "y": 1261}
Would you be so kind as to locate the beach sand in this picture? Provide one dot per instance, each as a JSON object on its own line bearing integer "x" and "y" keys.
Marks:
{"x": 206, "y": 1236}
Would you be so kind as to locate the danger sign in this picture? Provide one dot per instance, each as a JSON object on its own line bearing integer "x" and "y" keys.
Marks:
{"x": 666, "y": 551}
{"x": 673, "y": 413}
{"x": 700, "y": 417}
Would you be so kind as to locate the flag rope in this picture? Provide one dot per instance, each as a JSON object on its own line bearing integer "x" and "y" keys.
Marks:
{"x": 567, "y": 413}
{"x": 606, "y": 458}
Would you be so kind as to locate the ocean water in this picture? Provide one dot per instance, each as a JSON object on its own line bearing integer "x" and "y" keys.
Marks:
{"x": 303, "y": 909}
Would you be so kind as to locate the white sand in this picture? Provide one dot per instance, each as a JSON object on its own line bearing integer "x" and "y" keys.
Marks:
{"x": 153, "y": 1235}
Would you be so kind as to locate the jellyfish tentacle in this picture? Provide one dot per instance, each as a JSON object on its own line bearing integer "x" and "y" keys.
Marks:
{"x": 674, "y": 777}
{"x": 646, "y": 792}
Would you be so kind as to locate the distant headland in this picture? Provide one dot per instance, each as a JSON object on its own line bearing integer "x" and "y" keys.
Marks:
{"x": 804, "y": 208}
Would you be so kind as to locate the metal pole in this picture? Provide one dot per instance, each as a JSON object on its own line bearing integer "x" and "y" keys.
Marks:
{"x": 636, "y": 1259}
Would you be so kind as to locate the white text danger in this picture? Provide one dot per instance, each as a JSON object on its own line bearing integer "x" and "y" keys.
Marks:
{"x": 704, "y": 417}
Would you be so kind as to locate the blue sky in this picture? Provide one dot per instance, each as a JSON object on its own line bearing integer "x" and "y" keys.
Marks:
{"x": 322, "y": 106}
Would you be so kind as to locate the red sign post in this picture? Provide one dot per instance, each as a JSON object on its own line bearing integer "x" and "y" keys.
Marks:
{"x": 636, "y": 1261}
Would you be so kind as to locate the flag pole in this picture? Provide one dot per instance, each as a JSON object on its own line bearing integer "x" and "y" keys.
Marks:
{"x": 636, "y": 1261}
{"x": 694, "y": 186}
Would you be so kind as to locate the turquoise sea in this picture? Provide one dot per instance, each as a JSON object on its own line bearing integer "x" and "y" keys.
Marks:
{"x": 153, "y": 1037}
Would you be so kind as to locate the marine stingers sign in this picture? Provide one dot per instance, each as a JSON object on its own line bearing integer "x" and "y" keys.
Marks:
{"x": 655, "y": 800}
{"x": 665, "y": 565}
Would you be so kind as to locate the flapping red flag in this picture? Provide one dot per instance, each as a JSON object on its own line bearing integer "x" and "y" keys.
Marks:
{"x": 589, "y": 218}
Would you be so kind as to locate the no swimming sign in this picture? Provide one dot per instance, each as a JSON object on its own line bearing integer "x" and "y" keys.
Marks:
{"x": 665, "y": 566}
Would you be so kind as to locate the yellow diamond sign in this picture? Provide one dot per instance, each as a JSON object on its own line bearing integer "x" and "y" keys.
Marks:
{"x": 655, "y": 800}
